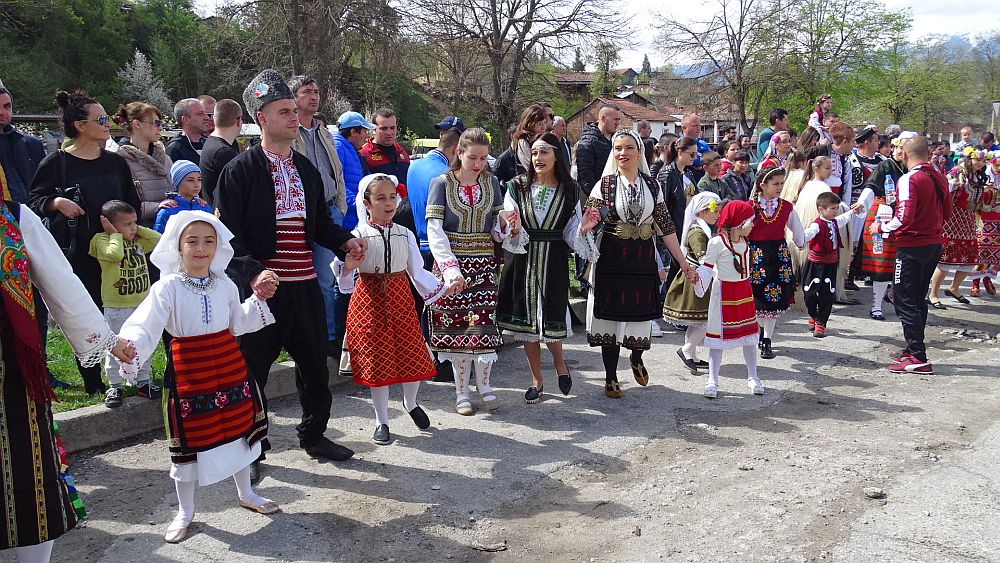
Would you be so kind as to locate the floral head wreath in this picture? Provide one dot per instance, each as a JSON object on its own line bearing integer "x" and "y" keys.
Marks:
{"x": 974, "y": 154}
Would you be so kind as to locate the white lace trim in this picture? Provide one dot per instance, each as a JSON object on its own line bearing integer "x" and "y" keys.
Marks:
{"x": 586, "y": 247}
{"x": 92, "y": 357}
{"x": 516, "y": 244}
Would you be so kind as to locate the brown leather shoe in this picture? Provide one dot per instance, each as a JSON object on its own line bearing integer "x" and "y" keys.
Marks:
{"x": 613, "y": 390}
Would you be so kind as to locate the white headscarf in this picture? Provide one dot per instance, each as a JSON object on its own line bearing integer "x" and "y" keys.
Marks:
{"x": 611, "y": 167}
{"x": 359, "y": 201}
{"x": 167, "y": 255}
{"x": 700, "y": 202}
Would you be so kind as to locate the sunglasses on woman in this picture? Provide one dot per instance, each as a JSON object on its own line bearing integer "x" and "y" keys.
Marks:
{"x": 154, "y": 123}
{"x": 102, "y": 120}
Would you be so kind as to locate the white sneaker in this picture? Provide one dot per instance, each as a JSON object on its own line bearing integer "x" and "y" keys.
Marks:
{"x": 711, "y": 391}
{"x": 756, "y": 386}
{"x": 654, "y": 329}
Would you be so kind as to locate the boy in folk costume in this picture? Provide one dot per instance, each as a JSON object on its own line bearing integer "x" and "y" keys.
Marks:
{"x": 819, "y": 118}
{"x": 732, "y": 317}
{"x": 682, "y": 306}
{"x": 383, "y": 334}
{"x": 214, "y": 416}
{"x": 771, "y": 266}
{"x": 819, "y": 276}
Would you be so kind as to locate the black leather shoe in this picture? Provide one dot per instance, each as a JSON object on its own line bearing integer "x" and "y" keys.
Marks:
{"x": 381, "y": 436}
{"x": 420, "y": 418}
{"x": 765, "y": 349}
{"x": 326, "y": 449}
{"x": 532, "y": 395}
{"x": 255, "y": 473}
{"x": 565, "y": 383}
{"x": 690, "y": 364}
{"x": 849, "y": 285}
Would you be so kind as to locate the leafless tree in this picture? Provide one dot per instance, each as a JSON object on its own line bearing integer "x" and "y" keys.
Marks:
{"x": 736, "y": 49}
{"x": 512, "y": 34}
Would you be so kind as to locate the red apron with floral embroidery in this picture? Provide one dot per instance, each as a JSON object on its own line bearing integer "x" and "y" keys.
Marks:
{"x": 212, "y": 401}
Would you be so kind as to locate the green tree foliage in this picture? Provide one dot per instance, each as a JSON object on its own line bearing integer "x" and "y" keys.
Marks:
{"x": 604, "y": 58}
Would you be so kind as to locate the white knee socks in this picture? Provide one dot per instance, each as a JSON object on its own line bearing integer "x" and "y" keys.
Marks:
{"x": 750, "y": 357}
{"x": 245, "y": 489}
{"x": 693, "y": 338}
{"x": 185, "y": 501}
{"x": 462, "y": 370}
{"x": 380, "y": 400}
{"x": 410, "y": 395}
{"x": 767, "y": 323}
{"x": 483, "y": 370}
{"x": 714, "y": 363}
{"x": 879, "y": 290}
{"x": 34, "y": 553}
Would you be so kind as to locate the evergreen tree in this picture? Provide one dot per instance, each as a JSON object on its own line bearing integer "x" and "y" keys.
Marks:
{"x": 578, "y": 65}
{"x": 139, "y": 83}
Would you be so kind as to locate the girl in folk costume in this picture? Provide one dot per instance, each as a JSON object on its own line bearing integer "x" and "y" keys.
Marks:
{"x": 534, "y": 286}
{"x": 463, "y": 222}
{"x": 988, "y": 235}
{"x": 682, "y": 306}
{"x": 39, "y": 504}
{"x": 212, "y": 409}
{"x": 624, "y": 276}
{"x": 960, "y": 250}
{"x": 383, "y": 332}
{"x": 777, "y": 151}
{"x": 880, "y": 190}
{"x": 819, "y": 116}
{"x": 771, "y": 262}
{"x": 732, "y": 318}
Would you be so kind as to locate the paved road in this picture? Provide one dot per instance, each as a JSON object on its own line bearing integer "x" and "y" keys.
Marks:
{"x": 662, "y": 473}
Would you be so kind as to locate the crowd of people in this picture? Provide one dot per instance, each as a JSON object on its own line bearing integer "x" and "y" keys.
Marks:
{"x": 339, "y": 246}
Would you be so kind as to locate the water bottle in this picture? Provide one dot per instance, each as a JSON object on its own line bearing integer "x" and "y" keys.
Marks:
{"x": 883, "y": 215}
{"x": 890, "y": 189}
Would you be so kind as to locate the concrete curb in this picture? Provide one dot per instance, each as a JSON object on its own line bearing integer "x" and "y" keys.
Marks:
{"x": 98, "y": 425}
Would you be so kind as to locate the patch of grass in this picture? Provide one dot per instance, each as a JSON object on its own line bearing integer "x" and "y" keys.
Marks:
{"x": 62, "y": 364}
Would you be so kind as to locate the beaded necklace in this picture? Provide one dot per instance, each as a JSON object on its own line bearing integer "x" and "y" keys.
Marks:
{"x": 202, "y": 287}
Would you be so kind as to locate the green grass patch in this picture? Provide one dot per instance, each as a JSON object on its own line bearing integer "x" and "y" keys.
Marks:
{"x": 62, "y": 364}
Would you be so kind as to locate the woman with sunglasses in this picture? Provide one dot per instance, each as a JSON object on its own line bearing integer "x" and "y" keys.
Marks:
{"x": 147, "y": 158}
{"x": 98, "y": 176}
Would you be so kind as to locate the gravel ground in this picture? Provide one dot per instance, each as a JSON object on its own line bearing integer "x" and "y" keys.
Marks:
{"x": 660, "y": 474}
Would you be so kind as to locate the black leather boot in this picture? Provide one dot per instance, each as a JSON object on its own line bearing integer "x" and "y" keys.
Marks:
{"x": 765, "y": 349}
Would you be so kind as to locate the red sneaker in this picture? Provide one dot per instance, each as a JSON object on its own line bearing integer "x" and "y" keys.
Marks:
{"x": 812, "y": 324}
{"x": 910, "y": 364}
{"x": 902, "y": 355}
{"x": 819, "y": 331}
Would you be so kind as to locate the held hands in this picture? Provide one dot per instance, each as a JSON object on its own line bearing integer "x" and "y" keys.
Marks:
{"x": 264, "y": 284}
{"x": 352, "y": 262}
{"x": 457, "y": 286}
{"x": 591, "y": 217}
{"x": 857, "y": 208}
{"x": 356, "y": 247}
{"x": 663, "y": 274}
{"x": 510, "y": 219}
{"x": 689, "y": 273}
{"x": 123, "y": 349}
{"x": 108, "y": 227}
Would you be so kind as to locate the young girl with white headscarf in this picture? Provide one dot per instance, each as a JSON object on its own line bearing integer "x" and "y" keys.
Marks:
{"x": 682, "y": 306}
{"x": 214, "y": 417}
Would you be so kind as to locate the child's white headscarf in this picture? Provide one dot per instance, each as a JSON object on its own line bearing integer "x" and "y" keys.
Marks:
{"x": 359, "y": 201}
{"x": 700, "y": 202}
{"x": 611, "y": 166}
{"x": 167, "y": 255}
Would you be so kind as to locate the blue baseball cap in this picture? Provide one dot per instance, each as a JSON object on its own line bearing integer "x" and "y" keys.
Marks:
{"x": 451, "y": 122}
{"x": 350, "y": 119}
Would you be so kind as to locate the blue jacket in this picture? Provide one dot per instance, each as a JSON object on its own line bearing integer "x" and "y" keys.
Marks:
{"x": 19, "y": 156}
{"x": 418, "y": 179}
{"x": 182, "y": 205}
{"x": 354, "y": 171}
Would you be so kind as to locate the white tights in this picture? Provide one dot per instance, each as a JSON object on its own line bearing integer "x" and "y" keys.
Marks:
{"x": 34, "y": 553}
{"x": 185, "y": 496}
{"x": 380, "y": 400}
{"x": 463, "y": 367}
{"x": 693, "y": 337}
{"x": 879, "y": 290}
{"x": 715, "y": 363}
{"x": 767, "y": 323}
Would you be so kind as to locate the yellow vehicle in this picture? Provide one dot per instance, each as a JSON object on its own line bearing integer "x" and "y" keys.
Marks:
{"x": 423, "y": 146}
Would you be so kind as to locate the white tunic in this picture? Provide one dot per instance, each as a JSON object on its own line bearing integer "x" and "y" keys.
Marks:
{"x": 171, "y": 306}
{"x": 403, "y": 254}
{"x": 65, "y": 297}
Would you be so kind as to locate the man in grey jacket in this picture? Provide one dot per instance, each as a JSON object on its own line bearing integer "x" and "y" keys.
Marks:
{"x": 316, "y": 143}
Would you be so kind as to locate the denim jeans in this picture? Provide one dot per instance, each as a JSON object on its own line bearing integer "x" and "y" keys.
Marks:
{"x": 322, "y": 259}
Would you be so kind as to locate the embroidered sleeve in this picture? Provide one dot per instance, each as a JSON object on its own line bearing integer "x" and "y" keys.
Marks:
{"x": 662, "y": 219}
{"x": 429, "y": 286}
{"x": 436, "y": 199}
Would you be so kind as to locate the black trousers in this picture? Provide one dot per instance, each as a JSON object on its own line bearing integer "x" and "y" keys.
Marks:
{"x": 819, "y": 289}
{"x": 911, "y": 281}
{"x": 300, "y": 328}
